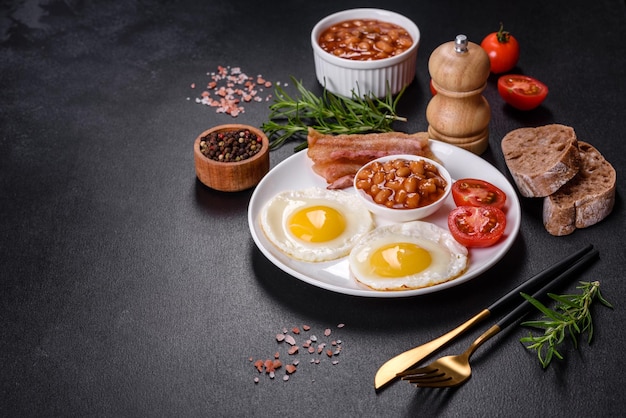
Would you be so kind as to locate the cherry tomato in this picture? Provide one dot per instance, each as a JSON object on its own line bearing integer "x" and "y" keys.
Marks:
{"x": 503, "y": 50}
{"x": 433, "y": 91}
{"x": 475, "y": 192}
{"x": 477, "y": 226}
{"x": 522, "y": 92}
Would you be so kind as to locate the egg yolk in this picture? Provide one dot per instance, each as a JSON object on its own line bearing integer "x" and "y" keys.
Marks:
{"x": 317, "y": 224}
{"x": 399, "y": 260}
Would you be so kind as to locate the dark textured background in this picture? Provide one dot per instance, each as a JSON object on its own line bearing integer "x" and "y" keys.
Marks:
{"x": 129, "y": 289}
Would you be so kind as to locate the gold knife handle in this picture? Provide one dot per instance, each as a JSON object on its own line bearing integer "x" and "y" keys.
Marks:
{"x": 388, "y": 371}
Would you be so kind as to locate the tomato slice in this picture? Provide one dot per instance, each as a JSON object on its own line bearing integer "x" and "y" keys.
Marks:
{"x": 522, "y": 92}
{"x": 477, "y": 226}
{"x": 475, "y": 192}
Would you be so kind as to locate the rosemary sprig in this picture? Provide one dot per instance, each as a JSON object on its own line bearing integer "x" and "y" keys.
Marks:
{"x": 291, "y": 117}
{"x": 571, "y": 316}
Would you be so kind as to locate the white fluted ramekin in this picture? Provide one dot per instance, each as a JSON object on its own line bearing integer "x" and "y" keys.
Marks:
{"x": 342, "y": 76}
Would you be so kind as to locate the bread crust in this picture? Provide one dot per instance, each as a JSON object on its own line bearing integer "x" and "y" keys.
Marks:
{"x": 541, "y": 159}
{"x": 586, "y": 199}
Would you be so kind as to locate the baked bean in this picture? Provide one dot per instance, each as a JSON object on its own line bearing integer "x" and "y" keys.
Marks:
{"x": 364, "y": 46}
{"x": 401, "y": 196}
{"x": 403, "y": 171}
{"x": 378, "y": 177}
{"x": 402, "y": 184}
{"x": 365, "y": 39}
{"x": 384, "y": 46}
{"x": 383, "y": 196}
{"x": 412, "y": 201}
{"x": 417, "y": 167}
{"x": 404, "y": 41}
{"x": 363, "y": 174}
{"x": 411, "y": 184}
{"x": 363, "y": 184}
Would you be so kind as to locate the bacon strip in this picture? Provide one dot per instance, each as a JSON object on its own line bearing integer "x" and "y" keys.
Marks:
{"x": 337, "y": 158}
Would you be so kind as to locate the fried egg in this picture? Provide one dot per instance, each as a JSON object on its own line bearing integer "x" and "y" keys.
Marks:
{"x": 315, "y": 224}
{"x": 409, "y": 255}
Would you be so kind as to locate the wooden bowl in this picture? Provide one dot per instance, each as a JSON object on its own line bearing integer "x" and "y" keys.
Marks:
{"x": 232, "y": 176}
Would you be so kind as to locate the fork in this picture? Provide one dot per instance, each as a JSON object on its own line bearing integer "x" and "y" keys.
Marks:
{"x": 388, "y": 372}
{"x": 450, "y": 371}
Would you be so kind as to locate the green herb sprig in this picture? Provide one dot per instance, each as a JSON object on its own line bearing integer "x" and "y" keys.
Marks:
{"x": 291, "y": 117}
{"x": 571, "y": 316}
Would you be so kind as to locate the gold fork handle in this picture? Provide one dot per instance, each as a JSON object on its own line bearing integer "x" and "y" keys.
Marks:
{"x": 481, "y": 340}
{"x": 388, "y": 371}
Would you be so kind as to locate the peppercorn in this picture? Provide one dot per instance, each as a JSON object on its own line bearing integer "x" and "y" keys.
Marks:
{"x": 230, "y": 146}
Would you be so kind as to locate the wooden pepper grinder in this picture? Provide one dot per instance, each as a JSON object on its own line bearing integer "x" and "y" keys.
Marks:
{"x": 459, "y": 114}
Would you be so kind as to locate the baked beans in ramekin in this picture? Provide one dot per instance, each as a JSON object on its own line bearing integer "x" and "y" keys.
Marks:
{"x": 344, "y": 67}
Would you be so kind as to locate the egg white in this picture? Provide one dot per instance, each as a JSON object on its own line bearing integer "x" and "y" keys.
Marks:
{"x": 449, "y": 258}
{"x": 278, "y": 210}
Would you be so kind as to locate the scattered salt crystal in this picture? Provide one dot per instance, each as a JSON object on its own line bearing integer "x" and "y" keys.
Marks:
{"x": 341, "y": 325}
{"x": 270, "y": 366}
{"x": 232, "y": 78}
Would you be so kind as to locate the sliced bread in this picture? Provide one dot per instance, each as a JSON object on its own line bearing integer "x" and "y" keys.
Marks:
{"x": 541, "y": 159}
{"x": 586, "y": 199}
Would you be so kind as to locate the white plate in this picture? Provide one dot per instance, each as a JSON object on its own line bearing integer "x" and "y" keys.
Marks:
{"x": 295, "y": 173}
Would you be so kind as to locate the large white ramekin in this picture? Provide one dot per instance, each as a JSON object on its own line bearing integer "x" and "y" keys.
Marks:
{"x": 342, "y": 76}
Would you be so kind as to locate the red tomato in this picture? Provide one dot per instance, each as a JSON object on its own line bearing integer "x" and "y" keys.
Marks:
{"x": 522, "y": 92}
{"x": 477, "y": 226}
{"x": 433, "y": 91}
{"x": 503, "y": 50}
{"x": 474, "y": 192}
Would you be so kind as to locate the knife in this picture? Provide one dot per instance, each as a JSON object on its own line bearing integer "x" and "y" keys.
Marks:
{"x": 387, "y": 373}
